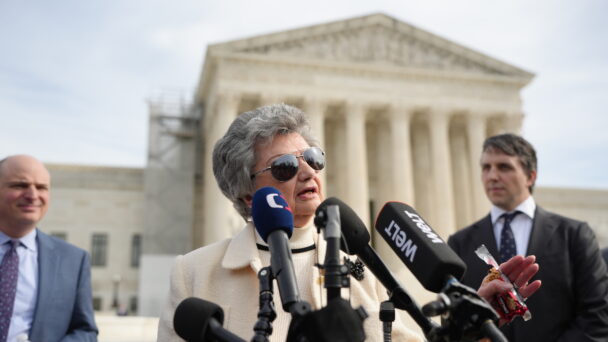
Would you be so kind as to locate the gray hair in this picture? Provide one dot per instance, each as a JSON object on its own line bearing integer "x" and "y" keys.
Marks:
{"x": 234, "y": 154}
{"x": 514, "y": 145}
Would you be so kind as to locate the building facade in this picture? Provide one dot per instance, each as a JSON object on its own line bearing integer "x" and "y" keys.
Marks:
{"x": 101, "y": 209}
{"x": 401, "y": 113}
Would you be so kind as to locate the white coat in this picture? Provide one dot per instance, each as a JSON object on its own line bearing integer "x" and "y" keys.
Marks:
{"x": 226, "y": 273}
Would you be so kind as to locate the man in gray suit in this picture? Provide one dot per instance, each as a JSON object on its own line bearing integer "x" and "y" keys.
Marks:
{"x": 572, "y": 304}
{"x": 45, "y": 283}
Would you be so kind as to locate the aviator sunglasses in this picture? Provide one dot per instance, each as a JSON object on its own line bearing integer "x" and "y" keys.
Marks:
{"x": 286, "y": 166}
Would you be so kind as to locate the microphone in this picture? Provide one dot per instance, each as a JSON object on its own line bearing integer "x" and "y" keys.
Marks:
{"x": 273, "y": 220}
{"x": 438, "y": 269}
{"x": 429, "y": 258}
{"x": 197, "y": 320}
{"x": 355, "y": 241}
{"x": 327, "y": 217}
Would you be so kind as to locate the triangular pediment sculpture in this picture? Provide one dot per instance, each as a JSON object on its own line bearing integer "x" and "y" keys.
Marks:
{"x": 376, "y": 39}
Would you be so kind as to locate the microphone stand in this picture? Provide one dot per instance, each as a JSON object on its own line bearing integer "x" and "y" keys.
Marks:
{"x": 267, "y": 312}
{"x": 466, "y": 316}
{"x": 399, "y": 296}
{"x": 336, "y": 273}
{"x": 387, "y": 317}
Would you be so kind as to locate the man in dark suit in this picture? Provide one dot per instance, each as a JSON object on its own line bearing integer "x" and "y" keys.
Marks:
{"x": 572, "y": 304}
{"x": 45, "y": 283}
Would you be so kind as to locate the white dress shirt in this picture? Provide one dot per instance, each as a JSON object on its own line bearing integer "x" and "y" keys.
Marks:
{"x": 521, "y": 225}
{"x": 27, "y": 284}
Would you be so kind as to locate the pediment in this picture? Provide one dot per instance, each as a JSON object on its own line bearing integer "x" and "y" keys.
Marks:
{"x": 373, "y": 40}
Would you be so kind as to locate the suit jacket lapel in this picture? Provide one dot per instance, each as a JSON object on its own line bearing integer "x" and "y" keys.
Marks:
{"x": 541, "y": 229}
{"x": 48, "y": 263}
{"x": 486, "y": 235}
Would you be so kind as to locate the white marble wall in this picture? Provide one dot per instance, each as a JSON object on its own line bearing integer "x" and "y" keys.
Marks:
{"x": 589, "y": 205}
{"x": 87, "y": 200}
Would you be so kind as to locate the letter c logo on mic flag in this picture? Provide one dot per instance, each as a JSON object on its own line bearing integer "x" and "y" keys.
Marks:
{"x": 273, "y": 204}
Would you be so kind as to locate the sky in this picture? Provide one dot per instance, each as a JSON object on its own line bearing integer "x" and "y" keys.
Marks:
{"x": 76, "y": 76}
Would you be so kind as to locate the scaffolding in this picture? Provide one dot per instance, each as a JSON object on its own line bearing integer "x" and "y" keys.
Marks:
{"x": 170, "y": 175}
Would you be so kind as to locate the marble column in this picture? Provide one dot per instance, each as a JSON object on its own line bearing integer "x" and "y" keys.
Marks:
{"x": 357, "y": 183}
{"x": 476, "y": 134}
{"x": 514, "y": 121}
{"x": 443, "y": 219}
{"x": 315, "y": 110}
{"x": 402, "y": 175}
{"x": 220, "y": 219}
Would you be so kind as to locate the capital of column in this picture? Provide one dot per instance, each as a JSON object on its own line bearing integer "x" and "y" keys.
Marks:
{"x": 402, "y": 112}
{"x": 267, "y": 99}
{"x": 514, "y": 122}
{"x": 314, "y": 106}
{"x": 506, "y": 122}
{"x": 476, "y": 122}
{"x": 355, "y": 110}
{"x": 226, "y": 107}
{"x": 476, "y": 113}
{"x": 227, "y": 99}
{"x": 441, "y": 111}
{"x": 439, "y": 117}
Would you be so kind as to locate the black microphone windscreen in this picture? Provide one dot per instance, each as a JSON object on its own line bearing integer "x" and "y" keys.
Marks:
{"x": 192, "y": 317}
{"x": 427, "y": 256}
{"x": 354, "y": 233}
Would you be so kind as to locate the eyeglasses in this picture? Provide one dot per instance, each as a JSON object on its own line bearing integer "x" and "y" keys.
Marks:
{"x": 286, "y": 166}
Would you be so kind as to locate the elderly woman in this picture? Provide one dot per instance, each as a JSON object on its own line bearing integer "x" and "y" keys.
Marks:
{"x": 273, "y": 146}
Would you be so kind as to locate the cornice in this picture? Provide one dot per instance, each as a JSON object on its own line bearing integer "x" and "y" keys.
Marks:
{"x": 367, "y": 70}
{"x": 380, "y": 30}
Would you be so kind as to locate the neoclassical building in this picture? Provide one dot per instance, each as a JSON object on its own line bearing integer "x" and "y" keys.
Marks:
{"x": 402, "y": 114}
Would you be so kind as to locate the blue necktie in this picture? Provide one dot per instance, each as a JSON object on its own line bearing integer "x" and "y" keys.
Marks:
{"x": 9, "y": 271}
{"x": 507, "y": 240}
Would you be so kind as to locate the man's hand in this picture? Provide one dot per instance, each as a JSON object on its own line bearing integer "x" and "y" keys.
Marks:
{"x": 519, "y": 270}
